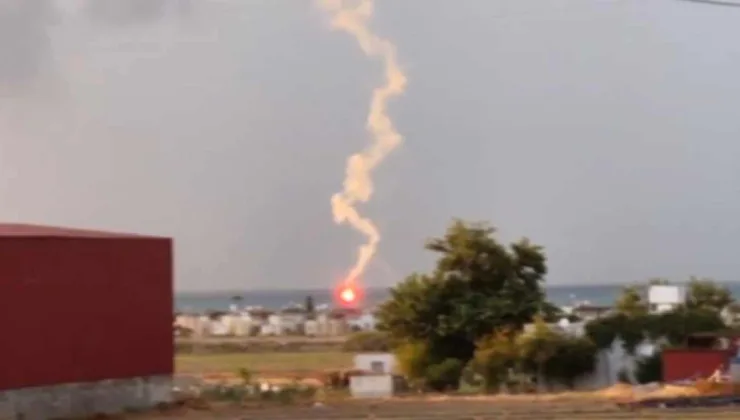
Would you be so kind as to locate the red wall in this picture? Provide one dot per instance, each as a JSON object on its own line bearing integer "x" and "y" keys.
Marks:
{"x": 681, "y": 364}
{"x": 84, "y": 309}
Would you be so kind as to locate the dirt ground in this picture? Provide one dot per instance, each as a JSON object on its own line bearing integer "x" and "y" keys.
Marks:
{"x": 448, "y": 408}
{"x": 309, "y": 367}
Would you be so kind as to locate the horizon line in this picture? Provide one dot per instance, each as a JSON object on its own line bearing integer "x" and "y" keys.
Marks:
{"x": 315, "y": 289}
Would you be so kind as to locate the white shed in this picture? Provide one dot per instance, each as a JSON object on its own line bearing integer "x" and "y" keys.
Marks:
{"x": 380, "y": 363}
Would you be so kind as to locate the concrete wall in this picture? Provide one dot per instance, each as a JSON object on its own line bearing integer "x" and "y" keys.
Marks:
{"x": 371, "y": 386}
{"x": 85, "y": 399}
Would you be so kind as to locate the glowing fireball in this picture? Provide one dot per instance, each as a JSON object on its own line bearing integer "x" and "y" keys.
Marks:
{"x": 347, "y": 295}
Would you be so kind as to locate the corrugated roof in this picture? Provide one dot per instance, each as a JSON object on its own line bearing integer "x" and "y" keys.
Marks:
{"x": 16, "y": 230}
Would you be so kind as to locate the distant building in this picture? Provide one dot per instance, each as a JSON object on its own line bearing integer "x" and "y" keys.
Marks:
{"x": 664, "y": 298}
{"x": 588, "y": 312}
{"x": 99, "y": 336}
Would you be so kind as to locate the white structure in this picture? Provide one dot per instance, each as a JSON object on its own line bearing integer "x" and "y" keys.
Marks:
{"x": 311, "y": 328}
{"x": 275, "y": 323}
{"x": 663, "y": 298}
{"x": 293, "y": 321}
{"x": 371, "y": 386}
{"x": 364, "y": 322}
{"x": 378, "y": 363}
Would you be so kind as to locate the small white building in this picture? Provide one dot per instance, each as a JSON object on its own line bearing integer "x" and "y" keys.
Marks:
{"x": 380, "y": 383}
{"x": 379, "y": 363}
{"x": 664, "y": 298}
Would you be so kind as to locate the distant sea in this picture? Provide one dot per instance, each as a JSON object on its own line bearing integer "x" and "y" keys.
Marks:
{"x": 275, "y": 299}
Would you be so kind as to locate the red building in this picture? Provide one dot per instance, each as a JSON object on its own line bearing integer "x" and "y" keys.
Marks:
{"x": 85, "y": 314}
{"x": 700, "y": 358}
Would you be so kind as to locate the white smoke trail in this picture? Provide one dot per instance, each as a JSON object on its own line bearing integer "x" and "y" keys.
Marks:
{"x": 358, "y": 186}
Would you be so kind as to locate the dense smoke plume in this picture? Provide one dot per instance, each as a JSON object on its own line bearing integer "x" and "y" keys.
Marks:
{"x": 353, "y": 17}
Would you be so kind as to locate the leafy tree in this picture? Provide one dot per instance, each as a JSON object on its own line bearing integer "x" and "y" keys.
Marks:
{"x": 538, "y": 347}
{"x": 573, "y": 358}
{"x": 631, "y": 302}
{"x": 671, "y": 327}
{"x": 554, "y": 356}
{"x": 478, "y": 286}
{"x": 495, "y": 357}
{"x": 445, "y": 375}
{"x": 676, "y": 326}
{"x": 707, "y": 294}
{"x": 412, "y": 358}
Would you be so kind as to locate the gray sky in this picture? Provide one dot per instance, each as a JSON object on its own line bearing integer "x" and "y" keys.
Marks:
{"x": 606, "y": 130}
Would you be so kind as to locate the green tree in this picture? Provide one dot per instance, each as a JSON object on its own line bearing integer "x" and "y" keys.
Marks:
{"x": 672, "y": 327}
{"x": 444, "y": 376}
{"x": 412, "y": 357}
{"x": 479, "y": 285}
{"x": 704, "y": 293}
{"x": 573, "y": 357}
{"x": 631, "y": 302}
{"x": 537, "y": 348}
{"x": 496, "y": 356}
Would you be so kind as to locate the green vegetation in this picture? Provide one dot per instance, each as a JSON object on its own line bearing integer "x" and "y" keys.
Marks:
{"x": 481, "y": 295}
{"x": 262, "y": 362}
{"x": 671, "y": 327}
{"x": 480, "y": 319}
{"x": 367, "y": 341}
{"x": 702, "y": 294}
{"x": 465, "y": 319}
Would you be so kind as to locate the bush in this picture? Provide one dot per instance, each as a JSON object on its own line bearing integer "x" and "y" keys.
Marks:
{"x": 649, "y": 369}
{"x": 444, "y": 376}
{"x": 674, "y": 326}
{"x": 547, "y": 355}
{"x": 572, "y": 358}
{"x": 413, "y": 358}
{"x": 367, "y": 341}
{"x": 494, "y": 358}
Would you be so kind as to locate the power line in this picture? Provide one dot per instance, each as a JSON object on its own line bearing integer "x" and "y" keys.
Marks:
{"x": 726, "y": 3}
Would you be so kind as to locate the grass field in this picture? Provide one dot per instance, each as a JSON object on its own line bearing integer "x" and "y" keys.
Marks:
{"x": 262, "y": 362}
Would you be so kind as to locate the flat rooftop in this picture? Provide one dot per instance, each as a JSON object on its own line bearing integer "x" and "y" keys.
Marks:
{"x": 20, "y": 230}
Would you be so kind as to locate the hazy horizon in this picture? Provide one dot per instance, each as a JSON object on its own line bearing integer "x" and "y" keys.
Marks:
{"x": 604, "y": 130}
